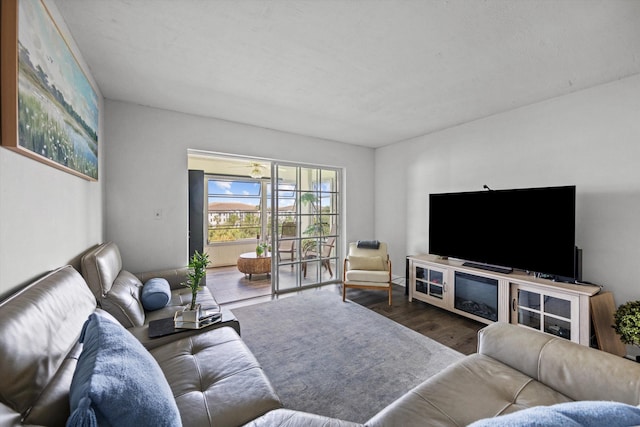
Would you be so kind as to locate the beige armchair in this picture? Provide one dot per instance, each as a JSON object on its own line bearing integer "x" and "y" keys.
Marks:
{"x": 366, "y": 268}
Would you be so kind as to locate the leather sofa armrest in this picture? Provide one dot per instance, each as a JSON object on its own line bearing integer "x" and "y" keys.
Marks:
{"x": 585, "y": 373}
{"x": 514, "y": 346}
{"x": 292, "y": 418}
{"x": 577, "y": 371}
{"x": 175, "y": 276}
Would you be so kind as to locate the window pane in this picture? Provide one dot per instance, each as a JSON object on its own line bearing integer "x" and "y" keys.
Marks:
{"x": 557, "y": 306}
{"x": 529, "y": 299}
{"x": 328, "y": 181}
{"x": 234, "y": 208}
{"x": 286, "y": 190}
{"x": 220, "y": 187}
{"x": 557, "y": 327}
{"x": 529, "y": 318}
{"x": 435, "y": 291}
{"x": 286, "y": 174}
{"x": 308, "y": 179}
{"x": 435, "y": 276}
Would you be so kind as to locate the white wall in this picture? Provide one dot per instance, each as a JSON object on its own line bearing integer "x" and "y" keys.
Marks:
{"x": 590, "y": 139}
{"x": 146, "y": 162}
{"x": 47, "y": 217}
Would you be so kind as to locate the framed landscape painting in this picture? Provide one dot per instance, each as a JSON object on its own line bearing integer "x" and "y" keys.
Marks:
{"x": 49, "y": 108}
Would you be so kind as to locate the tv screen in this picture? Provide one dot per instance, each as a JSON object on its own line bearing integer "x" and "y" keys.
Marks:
{"x": 529, "y": 229}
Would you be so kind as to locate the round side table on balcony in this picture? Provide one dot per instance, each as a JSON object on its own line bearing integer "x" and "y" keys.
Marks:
{"x": 249, "y": 263}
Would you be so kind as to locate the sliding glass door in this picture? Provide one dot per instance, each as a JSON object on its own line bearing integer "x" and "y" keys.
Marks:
{"x": 305, "y": 219}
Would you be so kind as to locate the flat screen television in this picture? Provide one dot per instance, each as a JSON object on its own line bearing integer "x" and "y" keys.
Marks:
{"x": 529, "y": 229}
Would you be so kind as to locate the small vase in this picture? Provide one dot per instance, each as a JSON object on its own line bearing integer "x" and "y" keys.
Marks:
{"x": 191, "y": 315}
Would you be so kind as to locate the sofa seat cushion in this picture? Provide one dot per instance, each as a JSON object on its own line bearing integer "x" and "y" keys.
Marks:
{"x": 215, "y": 379}
{"x": 484, "y": 387}
{"x": 372, "y": 277}
{"x": 290, "y": 418}
{"x": 117, "y": 382}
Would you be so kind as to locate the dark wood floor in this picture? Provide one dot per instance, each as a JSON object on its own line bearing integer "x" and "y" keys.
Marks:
{"x": 452, "y": 330}
{"x": 447, "y": 328}
{"x": 230, "y": 285}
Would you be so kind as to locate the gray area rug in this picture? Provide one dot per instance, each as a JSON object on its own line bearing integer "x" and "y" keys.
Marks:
{"x": 337, "y": 359}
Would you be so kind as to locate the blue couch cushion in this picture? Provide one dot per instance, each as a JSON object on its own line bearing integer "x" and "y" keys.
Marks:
{"x": 571, "y": 414}
{"x": 156, "y": 294}
{"x": 117, "y": 382}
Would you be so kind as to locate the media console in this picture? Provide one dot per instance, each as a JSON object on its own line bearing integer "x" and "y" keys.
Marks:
{"x": 556, "y": 308}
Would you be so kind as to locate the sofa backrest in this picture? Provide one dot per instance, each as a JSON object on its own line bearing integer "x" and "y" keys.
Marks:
{"x": 117, "y": 291}
{"x": 577, "y": 371}
{"x": 100, "y": 267}
{"x": 39, "y": 329}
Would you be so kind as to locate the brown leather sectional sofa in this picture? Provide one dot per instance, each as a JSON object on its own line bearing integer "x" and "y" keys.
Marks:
{"x": 215, "y": 379}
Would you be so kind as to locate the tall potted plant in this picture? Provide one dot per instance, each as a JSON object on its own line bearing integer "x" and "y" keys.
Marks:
{"x": 627, "y": 323}
{"x": 317, "y": 227}
{"x": 197, "y": 271}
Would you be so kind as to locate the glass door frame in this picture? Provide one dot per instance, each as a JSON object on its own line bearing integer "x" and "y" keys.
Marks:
{"x": 316, "y": 194}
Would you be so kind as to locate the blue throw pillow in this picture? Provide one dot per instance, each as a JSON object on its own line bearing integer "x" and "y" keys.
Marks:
{"x": 156, "y": 294}
{"x": 571, "y": 414}
{"x": 117, "y": 382}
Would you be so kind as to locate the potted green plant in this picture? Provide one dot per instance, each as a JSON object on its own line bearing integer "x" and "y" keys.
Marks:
{"x": 197, "y": 271}
{"x": 261, "y": 248}
{"x": 627, "y": 323}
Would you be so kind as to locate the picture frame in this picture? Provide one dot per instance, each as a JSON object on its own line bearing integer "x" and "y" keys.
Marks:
{"x": 49, "y": 109}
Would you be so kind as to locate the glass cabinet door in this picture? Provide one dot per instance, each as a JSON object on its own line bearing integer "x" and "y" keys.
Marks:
{"x": 557, "y": 316}
{"x": 429, "y": 282}
{"x": 542, "y": 310}
{"x": 529, "y": 308}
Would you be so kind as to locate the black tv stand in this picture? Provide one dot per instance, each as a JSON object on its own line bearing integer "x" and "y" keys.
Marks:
{"x": 488, "y": 267}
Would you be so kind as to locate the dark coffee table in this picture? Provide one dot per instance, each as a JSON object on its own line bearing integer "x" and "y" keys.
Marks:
{"x": 162, "y": 327}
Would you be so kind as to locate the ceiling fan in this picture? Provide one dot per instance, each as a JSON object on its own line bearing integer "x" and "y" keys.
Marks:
{"x": 257, "y": 169}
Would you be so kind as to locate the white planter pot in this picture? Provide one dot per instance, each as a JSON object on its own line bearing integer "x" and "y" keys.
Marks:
{"x": 191, "y": 315}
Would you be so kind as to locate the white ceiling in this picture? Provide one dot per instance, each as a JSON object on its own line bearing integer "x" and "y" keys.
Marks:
{"x": 366, "y": 72}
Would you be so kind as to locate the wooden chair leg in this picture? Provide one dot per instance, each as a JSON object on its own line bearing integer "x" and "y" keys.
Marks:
{"x": 390, "y": 292}
{"x": 344, "y": 292}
